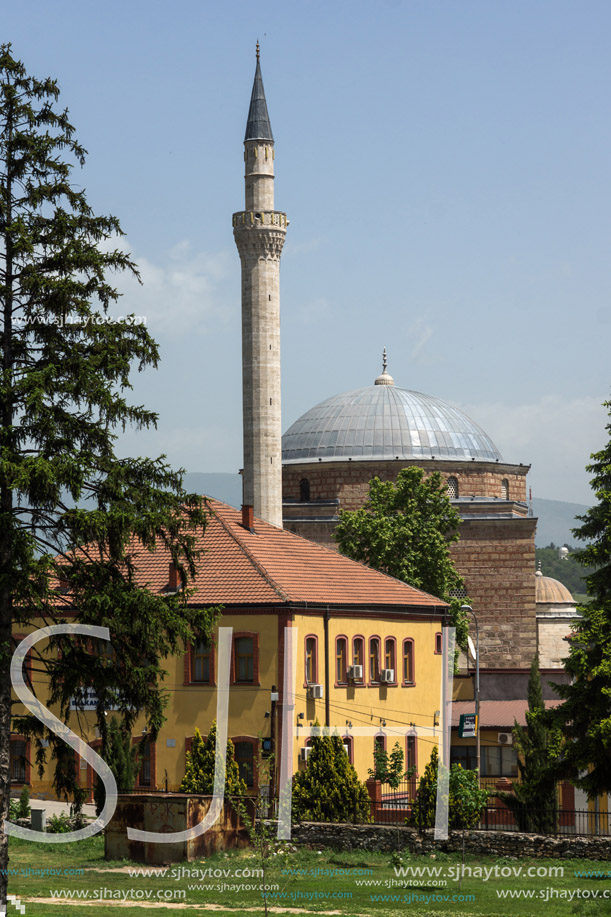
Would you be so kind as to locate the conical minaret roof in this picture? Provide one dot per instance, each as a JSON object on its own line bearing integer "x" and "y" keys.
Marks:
{"x": 258, "y": 126}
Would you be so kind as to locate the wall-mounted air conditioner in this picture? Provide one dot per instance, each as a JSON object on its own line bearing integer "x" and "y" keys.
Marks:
{"x": 505, "y": 738}
{"x": 355, "y": 672}
{"x": 386, "y": 676}
{"x": 316, "y": 692}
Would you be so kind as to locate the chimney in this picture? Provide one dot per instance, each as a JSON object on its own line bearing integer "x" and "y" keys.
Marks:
{"x": 248, "y": 517}
{"x": 174, "y": 584}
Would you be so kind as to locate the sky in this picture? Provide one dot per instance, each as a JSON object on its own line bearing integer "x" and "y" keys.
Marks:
{"x": 445, "y": 169}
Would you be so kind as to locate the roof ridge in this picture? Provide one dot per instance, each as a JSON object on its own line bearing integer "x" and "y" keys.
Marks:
{"x": 256, "y": 564}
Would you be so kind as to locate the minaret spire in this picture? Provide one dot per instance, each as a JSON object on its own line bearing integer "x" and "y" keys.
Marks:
{"x": 259, "y": 231}
{"x": 384, "y": 378}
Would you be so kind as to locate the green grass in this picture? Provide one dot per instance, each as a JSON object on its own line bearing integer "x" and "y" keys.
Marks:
{"x": 323, "y": 874}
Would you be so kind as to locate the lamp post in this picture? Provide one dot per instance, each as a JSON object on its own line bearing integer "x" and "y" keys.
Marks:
{"x": 477, "y": 746}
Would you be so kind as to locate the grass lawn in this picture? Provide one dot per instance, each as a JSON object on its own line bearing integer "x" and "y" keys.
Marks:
{"x": 305, "y": 881}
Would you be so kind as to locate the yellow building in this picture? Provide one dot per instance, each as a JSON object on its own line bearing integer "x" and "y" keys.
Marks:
{"x": 368, "y": 656}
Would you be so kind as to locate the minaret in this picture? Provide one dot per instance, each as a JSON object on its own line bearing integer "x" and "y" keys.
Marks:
{"x": 259, "y": 232}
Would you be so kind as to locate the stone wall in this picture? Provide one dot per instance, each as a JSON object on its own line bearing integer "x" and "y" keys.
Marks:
{"x": 482, "y": 843}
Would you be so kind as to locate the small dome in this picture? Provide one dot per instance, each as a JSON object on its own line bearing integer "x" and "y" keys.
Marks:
{"x": 383, "y": 421}
{"x": 550, "y": 591}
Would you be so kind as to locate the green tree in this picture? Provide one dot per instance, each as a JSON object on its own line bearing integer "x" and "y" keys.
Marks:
{"x": 585, "y": 715}
{"x": 466, "y": 800}
{"x": 199, "y": 771}
{"x": 123, "y": 758}
{"x": 71, "y": 512}
{"x": 538, "y": 744}
{"x": 329, "y": 788}
{"x": 405, "y": 530}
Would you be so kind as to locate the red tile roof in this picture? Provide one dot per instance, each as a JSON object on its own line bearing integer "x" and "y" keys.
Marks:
{"x": 271, "y": 566}
{"x": 496, "y": 713}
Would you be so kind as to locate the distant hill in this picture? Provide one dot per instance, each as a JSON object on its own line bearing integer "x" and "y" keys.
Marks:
{"x": 225, "y": 487}
{"x": 555, "y": 521}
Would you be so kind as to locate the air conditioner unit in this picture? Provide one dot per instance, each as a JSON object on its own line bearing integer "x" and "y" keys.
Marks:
{"x": 505, "y": 738}
{"x": 387, "y": 675}
{"x": 315, "y": 691}
{"x": 304, "y": 752}
{"x": 355, "y": 672}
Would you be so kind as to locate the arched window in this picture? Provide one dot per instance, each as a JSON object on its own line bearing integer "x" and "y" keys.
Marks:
{"x": 374, "y": 659}
{"x": 453, "y": 488}
{"x": 245, "y": 659}
{"x": 438, "y": 643}
{"x": 504, "y": 489}
{"x": 411, "y": 761}
{"x": 304, "y": 490}
{"x": 358, "y": 656}
{"x": 347, "y": 740}
{"x": 201, "y": 669}
{"x": 341, "y": 660}
{"x": 390, "y": 656}
{"x": 311, "y": 660}
{"x": 408, "y": 662}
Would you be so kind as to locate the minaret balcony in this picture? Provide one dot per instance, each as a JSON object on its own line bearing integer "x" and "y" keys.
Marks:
{"x": 259, "y": 218}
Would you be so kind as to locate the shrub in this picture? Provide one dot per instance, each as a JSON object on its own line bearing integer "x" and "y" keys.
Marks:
{"x": 199, "y": 771}
{"x": 466, "y": 800}
{"x": 329, "y": 788}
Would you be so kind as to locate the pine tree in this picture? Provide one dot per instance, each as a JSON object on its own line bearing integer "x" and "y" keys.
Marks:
{"x": 538, "y": 744}
{"x": 70, "y": 510}
{"x": 199, "y": 770}
{"x": 405, "y": 530}
{"x": 585, "y": 715}
{"x": 329, "y": 788}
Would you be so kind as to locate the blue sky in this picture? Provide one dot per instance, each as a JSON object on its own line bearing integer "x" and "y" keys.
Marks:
{"x": 444, "y": 166}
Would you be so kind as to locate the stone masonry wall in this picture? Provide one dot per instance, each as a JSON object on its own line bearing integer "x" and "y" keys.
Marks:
{"x": 482, "y": 843}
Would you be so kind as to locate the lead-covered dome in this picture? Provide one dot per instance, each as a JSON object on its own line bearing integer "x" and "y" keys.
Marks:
{"x": 382, "y": 421}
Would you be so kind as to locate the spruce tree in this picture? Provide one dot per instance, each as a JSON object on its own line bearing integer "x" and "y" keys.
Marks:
{"x": 71, "y": 511}
{"x": 538, "y": 744}
{"x": 122, "y": 756}
{"x": 329, "y": 788}
{"x": 585, "y": 715}
{"x": 199, "y": 770}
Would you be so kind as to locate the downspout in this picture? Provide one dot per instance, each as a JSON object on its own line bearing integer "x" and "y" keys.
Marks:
{"x": 327, "y": 698}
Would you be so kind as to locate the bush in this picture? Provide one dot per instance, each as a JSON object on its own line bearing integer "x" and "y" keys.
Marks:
{"x": 24, "y": 804}
{"x": 329, "y": 788}
{"x": 199, "y": 772}
{"x": 466, "y": 800}
{"x": 59, "y": 824}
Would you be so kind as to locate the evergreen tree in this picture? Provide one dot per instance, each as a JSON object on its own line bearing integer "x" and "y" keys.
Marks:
{"x": 199, "y": 771}
{"x": 466, "y": 800}
{"x": 585, "y": 715}
{"x": 329, "y": 788}
{"x": 405, "y": 530}
{"x": 122, "y": 756}
{"x": 538, "y": 744}
{"x": 71, "y": 512}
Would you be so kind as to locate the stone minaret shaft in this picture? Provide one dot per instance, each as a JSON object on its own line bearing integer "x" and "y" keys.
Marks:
{"x": 259, "y": 232}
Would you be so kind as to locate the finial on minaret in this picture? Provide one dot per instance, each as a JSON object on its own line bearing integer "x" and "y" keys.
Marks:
{"x": 258, "y": 50}
{"x": 539, "y": 573}
{"x": 385, "y": 378}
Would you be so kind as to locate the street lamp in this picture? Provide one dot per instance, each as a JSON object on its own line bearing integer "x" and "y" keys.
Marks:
{"x": 476, "y": 655}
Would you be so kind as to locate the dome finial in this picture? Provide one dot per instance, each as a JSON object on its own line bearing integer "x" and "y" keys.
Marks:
{"x": 385, "y": 378}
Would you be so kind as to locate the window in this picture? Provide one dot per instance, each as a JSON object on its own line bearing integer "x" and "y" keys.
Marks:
{"x": 311, "y": 660}
{"x": 465, "y": 755}
{"x": 341, "y": 660}
{"x": 389, "y": 655}
{"x": 379, "y": 741}
{"x": 144, "y": 752}
{"x": 499, "y": 761}
{"x": 304, "y": 490}
{"x": 374, "y": 659}
{"x": 347, "y": 740}
{"x": 18, "y": 760}
{"x": 408, "y": 662}
{"x": 245, "y": 660}
{"x": 453, "y": 488}
{"x": 200, "y": 662}
{"x": 438, "y": 643}
{"x": 411, "y": 758}
{"x": 358, "y": 656}
{"x": 245, "y": 759}
{"x": 504, "y": 489}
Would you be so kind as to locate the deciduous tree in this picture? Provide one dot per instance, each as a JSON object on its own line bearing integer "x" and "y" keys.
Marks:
{"x": 405, "y": 530}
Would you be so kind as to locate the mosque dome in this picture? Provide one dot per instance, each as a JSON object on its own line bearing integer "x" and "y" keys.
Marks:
{"x": 383, "y": 421}
{"x": 550, "y": 591}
